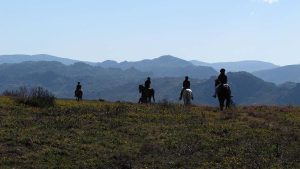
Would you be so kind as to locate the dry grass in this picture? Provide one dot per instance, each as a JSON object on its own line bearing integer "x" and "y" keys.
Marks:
{"x": 93, "y": 134}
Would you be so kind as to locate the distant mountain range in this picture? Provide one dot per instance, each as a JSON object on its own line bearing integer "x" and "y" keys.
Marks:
{"x": 40, "y": 57}
{"x": 60, "y": 78}
{"x": 165, "y": 66}
{"x": 280, "y": 75}
{"x": 117, "y": 84}
{"x": 147, "y": 64}
{"x": 248, "y": 65}
{"x": 170, "y": 66}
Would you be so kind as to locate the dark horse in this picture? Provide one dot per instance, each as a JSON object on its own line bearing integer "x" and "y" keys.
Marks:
{"x": 224, "y": 94}
{"x": 146, "y": 94}
{"x": 78, "y": 94}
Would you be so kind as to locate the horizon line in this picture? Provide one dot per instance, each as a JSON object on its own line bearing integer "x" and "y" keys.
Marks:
{"x": 120, "y": 61}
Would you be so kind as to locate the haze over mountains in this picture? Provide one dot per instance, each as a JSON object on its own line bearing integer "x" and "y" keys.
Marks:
{"x": 247, "y": 65}
{"x": 290, "y": 73}
{"x": 114, "y": 81}
{"x": 40, "y": 57}
{"x": 166, "y": 66}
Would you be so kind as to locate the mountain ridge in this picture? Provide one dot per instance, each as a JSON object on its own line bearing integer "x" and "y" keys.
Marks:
{"x": 164, "y": 66}
{"x": 170, "y": 66}
{"x": 115, "y": 84}
{"x": 245, "y": 65}
{"x": 280, "y": 75}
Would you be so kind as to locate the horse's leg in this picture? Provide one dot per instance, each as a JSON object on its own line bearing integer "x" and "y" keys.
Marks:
{"x": 142, "y": 100}
{"x": 153, "y": 97}
{"x": 188, "y": 102}
{"x": 221, "y": 101}
{"x": 228, "y": 103}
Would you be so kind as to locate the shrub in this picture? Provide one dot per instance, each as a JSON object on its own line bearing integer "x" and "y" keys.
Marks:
{"x": 22, "y": 92}
{"x": 37, "y": 96}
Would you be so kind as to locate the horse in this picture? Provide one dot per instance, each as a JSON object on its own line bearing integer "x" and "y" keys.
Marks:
{"x": 146, "y": 94}
{"x": 187, "y": 96}
{"x": 78, "y": 94}
{"x": 224, "y": 94}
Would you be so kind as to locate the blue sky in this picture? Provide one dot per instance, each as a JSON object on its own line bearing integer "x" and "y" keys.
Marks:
{"x": 206, "y": 30}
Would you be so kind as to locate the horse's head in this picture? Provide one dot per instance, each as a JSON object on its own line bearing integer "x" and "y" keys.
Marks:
{"x": 217, "y": 82}
{"x": 141, "y": 88}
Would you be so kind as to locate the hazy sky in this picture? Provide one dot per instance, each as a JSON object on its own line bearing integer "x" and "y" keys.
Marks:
{"x": 206, "y": 30}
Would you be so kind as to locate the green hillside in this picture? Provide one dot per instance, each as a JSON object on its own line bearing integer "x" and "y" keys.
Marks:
{"x": 93, "y": 134}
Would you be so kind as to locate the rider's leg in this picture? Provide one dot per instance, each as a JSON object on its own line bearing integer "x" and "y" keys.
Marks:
{"x": 180, "y": 97}
{"x": 216, "y": 90}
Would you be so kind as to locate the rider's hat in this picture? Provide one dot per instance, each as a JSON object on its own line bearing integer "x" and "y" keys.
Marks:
{"x": 222, "y": 70}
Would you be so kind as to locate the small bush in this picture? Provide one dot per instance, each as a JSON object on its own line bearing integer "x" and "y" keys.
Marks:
{"x": 36, "y": 97}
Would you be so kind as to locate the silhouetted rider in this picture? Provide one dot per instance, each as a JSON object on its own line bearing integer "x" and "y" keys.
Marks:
{"x": 222, "y": 79}
{"x": 148, "y": 83}
{"x": 186, "y": 84}
{"x": 78, "y": 87}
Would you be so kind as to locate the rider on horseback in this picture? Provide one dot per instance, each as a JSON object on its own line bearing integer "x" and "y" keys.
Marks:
{"x": 78, "y": 92}
{"x": 148, "y": 83}
{"x": 78, "y": 87}
{"x": 147, "y": 93}
{"x": 221, "y": 80}
{"x": 185, "y": 85}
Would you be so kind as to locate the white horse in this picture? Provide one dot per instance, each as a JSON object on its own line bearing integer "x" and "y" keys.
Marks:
{"x": 187, "y": 96}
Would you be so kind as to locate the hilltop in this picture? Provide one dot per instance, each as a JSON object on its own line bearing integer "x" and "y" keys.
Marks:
{"x": 93, "y": 134}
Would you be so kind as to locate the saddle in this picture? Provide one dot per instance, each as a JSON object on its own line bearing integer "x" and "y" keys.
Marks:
{"x": 226, "y": 85}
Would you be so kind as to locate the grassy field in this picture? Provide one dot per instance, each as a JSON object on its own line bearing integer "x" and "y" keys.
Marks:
{"x": 93, "y": 134}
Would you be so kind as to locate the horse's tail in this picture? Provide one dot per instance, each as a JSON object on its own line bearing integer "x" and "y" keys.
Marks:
{"x": 153, "y": 95}
{"x": 75, "y": 93}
